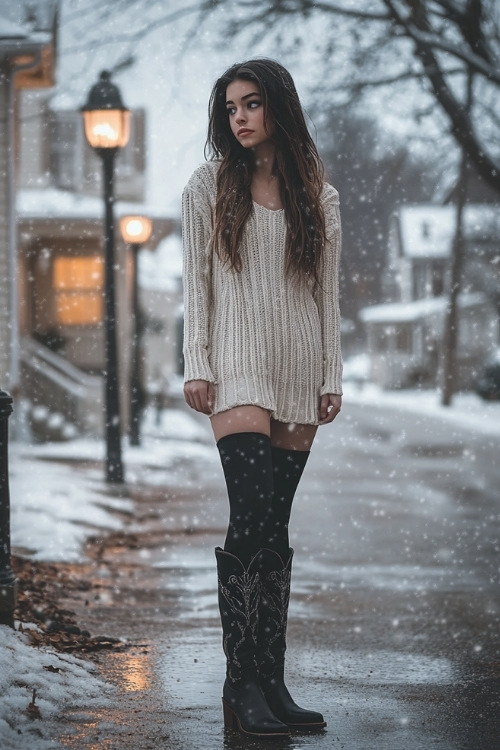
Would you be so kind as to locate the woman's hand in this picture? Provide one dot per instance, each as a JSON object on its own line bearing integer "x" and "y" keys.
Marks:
{"x": 199, "y": 395}
{"x": 329, "y": 406}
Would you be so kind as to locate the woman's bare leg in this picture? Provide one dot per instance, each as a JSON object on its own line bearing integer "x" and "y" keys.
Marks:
{"x": 241, "y": 419}
{"x": 294, "y": 437}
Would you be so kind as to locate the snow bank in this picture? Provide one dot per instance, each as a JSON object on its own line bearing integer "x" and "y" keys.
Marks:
{"x": 54, "y": 506}
{"x": 61, "y": 682}
{"x": 58, "y": 497}
{"x": 467, "y": 409}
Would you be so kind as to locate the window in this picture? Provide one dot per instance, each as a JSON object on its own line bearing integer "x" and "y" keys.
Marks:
{"x": 419, "y": 281}
{"x": 74, "y": 165}
{"x": 380, "y": 339}
{"x": 392, "y": 338}
{"x": 78, "y": 284}
{"x": 437, "y": 282}
{"x": 67, "y": 150}
{"x": 402, "y": 341}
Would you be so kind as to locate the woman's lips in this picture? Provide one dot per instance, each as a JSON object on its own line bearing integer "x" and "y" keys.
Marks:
{"x": 244, "y": 131}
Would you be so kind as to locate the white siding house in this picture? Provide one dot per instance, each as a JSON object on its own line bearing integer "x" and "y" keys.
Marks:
{"x": 60, "y": 252}
{"x": 405, "y": 335}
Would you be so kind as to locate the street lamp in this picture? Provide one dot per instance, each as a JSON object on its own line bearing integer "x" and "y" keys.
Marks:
{"x": 135, "y": 230}
{"x": 8, "y": 582}
{"x": 107, "y": 128}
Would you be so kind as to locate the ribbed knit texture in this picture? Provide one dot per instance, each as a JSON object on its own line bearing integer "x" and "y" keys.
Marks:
{"x": 260, "y": 338}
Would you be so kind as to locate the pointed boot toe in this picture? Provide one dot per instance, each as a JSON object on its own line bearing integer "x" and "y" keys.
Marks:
{"x": 274, "y": 581}
{"x": 284, "y": 707}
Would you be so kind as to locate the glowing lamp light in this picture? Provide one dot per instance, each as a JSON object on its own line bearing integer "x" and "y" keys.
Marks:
{"x": 107, "y": 128}
{"x": 106, "y": 120}
{"x": 136, "y": 230}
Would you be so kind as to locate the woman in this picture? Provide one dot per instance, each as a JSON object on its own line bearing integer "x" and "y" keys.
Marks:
{"x": 261, "y": 234}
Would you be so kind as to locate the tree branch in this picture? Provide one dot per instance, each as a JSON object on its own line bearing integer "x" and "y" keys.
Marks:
{"x": 475, "y": 63}
{"x": 461, "y": 123}
{"x": 201, "y": 8}
{"x": 292, "y": 7}
{"x": 349, "y": 13}
{"x": 468, "y": 19}
{"x": 408, "y": 75}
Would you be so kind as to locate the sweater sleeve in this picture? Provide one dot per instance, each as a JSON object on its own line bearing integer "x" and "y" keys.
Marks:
{"x": 196, "y": 232}
{"x": 327, "y": 298}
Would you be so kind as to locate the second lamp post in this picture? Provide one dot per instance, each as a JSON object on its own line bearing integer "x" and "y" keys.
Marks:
{"x": 135, "y": 230}
{"x": 107, "y": 128}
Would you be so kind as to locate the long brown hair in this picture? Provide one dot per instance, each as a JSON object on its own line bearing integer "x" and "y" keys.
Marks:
{"x": 297, "y": 166}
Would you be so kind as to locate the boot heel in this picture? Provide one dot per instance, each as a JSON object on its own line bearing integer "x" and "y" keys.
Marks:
{"x": 230, "y": 718}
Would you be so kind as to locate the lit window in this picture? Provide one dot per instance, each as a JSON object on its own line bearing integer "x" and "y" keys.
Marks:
{"x": 78, "y": 284}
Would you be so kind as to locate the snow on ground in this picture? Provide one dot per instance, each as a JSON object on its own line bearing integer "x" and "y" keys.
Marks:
{"x": 55, "y": 506}
{"x": 62, "y": 682}
{"x": 467, "y": 409}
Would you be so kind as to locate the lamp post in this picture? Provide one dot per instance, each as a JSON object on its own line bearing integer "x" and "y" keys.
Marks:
{"x": 135, "y": 230}
{"x": 8, "y": 582}
{"x": 107, "y": 128}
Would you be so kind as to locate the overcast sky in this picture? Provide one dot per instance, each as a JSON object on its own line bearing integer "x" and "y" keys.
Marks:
{"x": 171, "y": 79}
{"x": 174, "y": 73}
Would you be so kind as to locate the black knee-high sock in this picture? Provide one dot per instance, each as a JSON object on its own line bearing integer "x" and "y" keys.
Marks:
{"x": 288, "y": 466}
{"x": 248, "y": 470}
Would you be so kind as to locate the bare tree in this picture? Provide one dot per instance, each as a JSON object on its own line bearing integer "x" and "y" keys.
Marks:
{"x": 366, "y": 45}
{"x": 450, "y": 40}
{"x": 456, "y": 42}
{"x": 373, "y": 177}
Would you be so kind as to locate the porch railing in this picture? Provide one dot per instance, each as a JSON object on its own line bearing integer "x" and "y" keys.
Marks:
{"x": 55, "y": 386}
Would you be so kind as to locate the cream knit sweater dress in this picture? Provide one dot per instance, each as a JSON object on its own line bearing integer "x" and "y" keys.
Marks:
{"x": 260, "y": 338}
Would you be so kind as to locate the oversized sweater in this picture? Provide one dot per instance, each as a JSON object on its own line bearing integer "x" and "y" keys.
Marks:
{"x": 258, "y": 336}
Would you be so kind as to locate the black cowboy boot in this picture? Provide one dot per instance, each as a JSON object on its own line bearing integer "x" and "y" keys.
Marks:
{"x": 273, "y": 615}
{"x": 245, "y": 707}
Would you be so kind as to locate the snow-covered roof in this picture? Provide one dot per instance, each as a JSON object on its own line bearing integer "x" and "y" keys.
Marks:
{"x": 26, "y": 26}
{"x": 11, "y": 30}
{"x": 28, "y": 15}
{"x": 52, "y": 203}
{"x": 47, "y": 203}
{"x": 407, "y": 312}
{"x": 427, "y": 230}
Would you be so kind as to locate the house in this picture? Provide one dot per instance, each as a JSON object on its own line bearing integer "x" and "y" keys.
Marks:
{"x": 405, "y": 335}
{"x": 28, "y": 53}
{"x": 160, "y": 281}
{"x": 61, "y": 262}
{"x": 52, "y": 355}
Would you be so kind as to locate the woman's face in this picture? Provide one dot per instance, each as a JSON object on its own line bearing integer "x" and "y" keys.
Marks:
{"x": 246, "y": 113}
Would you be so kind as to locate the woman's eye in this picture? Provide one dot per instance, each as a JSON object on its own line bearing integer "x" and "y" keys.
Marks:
{"x": 253, "y": 105}
{"x": 231, "y": 110}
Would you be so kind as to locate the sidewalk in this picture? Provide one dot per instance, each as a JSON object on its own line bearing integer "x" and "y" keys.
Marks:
{"x": 134, "y": 572}
{"x": 63, "y": 520}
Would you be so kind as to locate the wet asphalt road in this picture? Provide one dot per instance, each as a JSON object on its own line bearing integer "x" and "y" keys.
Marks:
{"x": 394, "y": 620}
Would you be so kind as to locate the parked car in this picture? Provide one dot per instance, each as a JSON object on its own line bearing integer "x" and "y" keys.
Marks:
{"x": 488, "y": 382}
